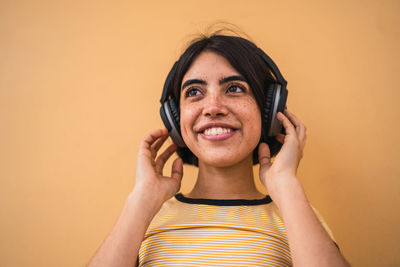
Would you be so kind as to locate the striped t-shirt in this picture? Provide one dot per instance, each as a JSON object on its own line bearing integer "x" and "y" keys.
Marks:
{"x": 204, "y": 232}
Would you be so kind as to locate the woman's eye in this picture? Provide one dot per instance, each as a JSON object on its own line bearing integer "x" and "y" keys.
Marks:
{"x": 192, "y": 92}
{"x": 235, "y": 89}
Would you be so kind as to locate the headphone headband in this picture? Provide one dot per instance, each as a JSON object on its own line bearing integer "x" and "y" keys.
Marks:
{"x": 270, "y": 63}
{"x": 275, "y": 71}
{"x": 164, "y": 95}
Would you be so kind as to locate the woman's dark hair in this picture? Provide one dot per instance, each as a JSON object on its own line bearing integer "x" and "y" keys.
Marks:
{"x": 244, "y": 58}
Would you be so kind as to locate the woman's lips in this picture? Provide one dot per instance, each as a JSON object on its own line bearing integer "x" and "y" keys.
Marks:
{"x": 215, "y": 124}
{"x": 218, "y": 137}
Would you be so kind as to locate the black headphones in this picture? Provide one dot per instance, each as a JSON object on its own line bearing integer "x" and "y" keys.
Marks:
{"x": 275, "y": 101}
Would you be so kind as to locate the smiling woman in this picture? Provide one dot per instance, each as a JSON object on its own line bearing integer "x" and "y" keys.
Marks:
{"x": 223, "y": 109}
{"x": 254, "y": 69}
{"x": 220, "y": 119}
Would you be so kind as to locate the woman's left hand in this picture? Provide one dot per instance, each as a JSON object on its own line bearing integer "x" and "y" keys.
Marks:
{"x": 274, "y": 175}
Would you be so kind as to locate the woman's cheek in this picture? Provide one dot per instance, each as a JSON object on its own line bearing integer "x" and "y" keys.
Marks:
{"x": 254, "y": 121}
{"x": 187, "y": 119}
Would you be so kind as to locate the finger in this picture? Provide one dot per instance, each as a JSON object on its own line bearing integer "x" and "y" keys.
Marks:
{"x": 300, "y": 127}
{"x": 153, "y": 136}
{"x": 280, "y": 138}
{"x": 177, "y": 169}
{"x": 156, "y": 146}
{"x": 160, "y": 162}
{"x": 264, "y": 154}
{"x": 299, "y": 131}
{"x": 289, "y": 127}
{"x": 145, "y": 145}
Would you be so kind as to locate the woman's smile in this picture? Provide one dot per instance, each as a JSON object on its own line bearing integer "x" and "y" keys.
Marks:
{"x": 216, "y": 131}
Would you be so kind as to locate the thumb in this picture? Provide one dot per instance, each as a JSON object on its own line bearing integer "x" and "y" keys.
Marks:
{"x": 177, "y": 170}
{"x": 264, "y": 156}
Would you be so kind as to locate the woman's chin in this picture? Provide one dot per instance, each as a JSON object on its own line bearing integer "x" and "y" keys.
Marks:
{"x": 222, "y": 161}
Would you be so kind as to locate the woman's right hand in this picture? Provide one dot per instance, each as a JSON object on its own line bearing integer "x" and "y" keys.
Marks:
{"x": 149, "y": 170}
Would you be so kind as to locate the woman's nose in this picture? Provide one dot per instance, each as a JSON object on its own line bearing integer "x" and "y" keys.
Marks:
{"x": 214, "y": 106}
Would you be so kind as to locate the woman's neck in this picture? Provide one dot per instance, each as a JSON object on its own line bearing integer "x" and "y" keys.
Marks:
{"x": 233, "y": 182}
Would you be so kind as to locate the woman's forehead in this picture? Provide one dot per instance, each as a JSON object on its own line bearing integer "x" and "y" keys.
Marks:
{"x": 210, "y": 65}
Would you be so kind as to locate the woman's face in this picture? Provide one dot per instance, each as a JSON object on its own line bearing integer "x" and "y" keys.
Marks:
{"x": 220, "y": 119}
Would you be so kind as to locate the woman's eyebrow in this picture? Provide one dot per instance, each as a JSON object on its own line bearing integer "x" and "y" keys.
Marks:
{"x": 192, "y": 81}
{"x": 232, "y": 78}
{"x": 221, "y": 81}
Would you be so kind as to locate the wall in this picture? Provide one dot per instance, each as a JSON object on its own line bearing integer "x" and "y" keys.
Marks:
{"x": 80, "y": 83}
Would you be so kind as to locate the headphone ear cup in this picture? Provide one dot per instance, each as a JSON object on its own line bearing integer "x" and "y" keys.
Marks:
{"x": 276, "y": 96}
{"x": 171, "y": 118}
{"x": 270, "y": 93}
{"x": 175, "y": 114}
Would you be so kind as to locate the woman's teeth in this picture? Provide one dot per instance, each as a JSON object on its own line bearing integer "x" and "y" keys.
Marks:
{"x": 216, "y": 131}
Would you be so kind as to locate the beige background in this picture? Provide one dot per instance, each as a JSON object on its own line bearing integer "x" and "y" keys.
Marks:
{"x": 80, "y": 83}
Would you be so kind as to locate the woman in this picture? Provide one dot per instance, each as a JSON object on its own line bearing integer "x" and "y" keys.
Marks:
{"x": 221, "y": 83}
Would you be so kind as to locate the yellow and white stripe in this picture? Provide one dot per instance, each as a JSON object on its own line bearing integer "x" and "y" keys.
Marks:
{"x": 187, "y": 234}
